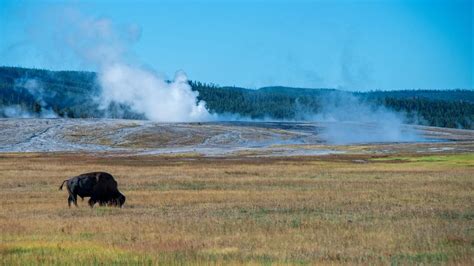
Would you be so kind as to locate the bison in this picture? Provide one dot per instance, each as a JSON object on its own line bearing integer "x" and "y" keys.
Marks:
{"x": 101, "y": 187}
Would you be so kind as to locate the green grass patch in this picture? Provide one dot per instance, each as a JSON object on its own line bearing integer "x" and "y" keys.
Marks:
{"x": 450, "y": 160}
{"x": 419, "y": 258}
{"x": 452, "y": 215}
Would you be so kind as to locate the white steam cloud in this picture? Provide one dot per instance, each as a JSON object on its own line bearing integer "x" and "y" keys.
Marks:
{"x": 146, "y": 93}
{"x": 14, "y": 111}
{"x": 37, "y": 91}
{"x": 348, "y": 119}
{"x": 100, "y": 42}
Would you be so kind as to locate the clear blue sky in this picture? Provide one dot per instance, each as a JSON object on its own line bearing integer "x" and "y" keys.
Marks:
{"x": 359, "y": 45}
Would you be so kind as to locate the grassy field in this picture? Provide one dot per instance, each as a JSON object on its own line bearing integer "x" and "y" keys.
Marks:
{"x": 335, "y": 209}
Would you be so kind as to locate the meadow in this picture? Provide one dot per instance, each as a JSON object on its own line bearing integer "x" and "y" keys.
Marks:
{"x": 335, "y": 209}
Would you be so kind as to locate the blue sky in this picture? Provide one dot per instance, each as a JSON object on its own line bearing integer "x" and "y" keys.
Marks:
{"x": 355, "y": 45}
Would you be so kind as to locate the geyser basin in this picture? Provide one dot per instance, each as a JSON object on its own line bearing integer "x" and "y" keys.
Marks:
{"x": 214, "y": 138}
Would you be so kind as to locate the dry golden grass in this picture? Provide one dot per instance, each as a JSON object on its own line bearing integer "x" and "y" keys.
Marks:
{"x": 192, "y": 210}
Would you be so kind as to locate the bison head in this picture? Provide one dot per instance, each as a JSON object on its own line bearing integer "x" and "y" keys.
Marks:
{"x": 121, "y": 200}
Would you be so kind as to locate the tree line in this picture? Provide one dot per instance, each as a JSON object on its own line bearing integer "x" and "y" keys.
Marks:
{"x": 71, "y": 94}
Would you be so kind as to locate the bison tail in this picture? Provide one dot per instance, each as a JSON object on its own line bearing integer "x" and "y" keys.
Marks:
{"x": 62, "y": 184}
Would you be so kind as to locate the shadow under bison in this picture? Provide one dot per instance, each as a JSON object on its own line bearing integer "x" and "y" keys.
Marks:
{"x": 101, "y": 187}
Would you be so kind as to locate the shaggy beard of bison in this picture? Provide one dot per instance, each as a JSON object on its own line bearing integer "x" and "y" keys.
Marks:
{"x": 117, "y": 201}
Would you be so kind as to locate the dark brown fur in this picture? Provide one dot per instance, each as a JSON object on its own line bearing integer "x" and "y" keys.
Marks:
{"x": 101, "y": 187}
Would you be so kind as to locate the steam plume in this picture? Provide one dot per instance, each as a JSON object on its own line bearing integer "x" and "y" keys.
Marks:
{"x": 145, "y": 93}
{"x": 100, "y": 42}
{"x": 37, "y": 91}
{"x": 348, "y": 119}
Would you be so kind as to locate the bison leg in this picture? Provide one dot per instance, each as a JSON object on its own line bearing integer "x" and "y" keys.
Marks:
{"x": 74, "y": 196}
{"x": 91, "y": 202}
{"x": 69, "y": 200}
{"x": 112, "y": 203}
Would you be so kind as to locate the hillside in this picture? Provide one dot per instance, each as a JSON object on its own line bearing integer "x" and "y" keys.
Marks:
{"x": 35, "y": 92}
